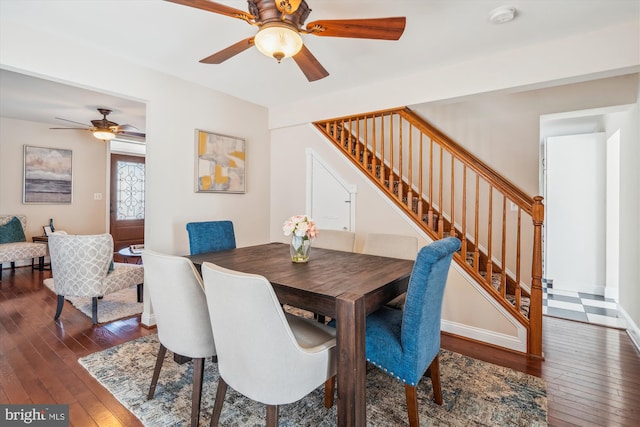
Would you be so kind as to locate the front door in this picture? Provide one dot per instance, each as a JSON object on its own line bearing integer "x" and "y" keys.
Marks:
{"x": 127, "y": 200}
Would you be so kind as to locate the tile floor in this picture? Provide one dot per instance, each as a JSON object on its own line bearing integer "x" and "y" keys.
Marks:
{"x": 582, "y": 307}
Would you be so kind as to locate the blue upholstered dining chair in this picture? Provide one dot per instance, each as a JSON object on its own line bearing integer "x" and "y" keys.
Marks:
{"x": 405, "y": 343}
{"x": 210, "y": 236}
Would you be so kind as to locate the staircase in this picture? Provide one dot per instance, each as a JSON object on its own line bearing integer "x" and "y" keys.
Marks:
{"x": 447, "y": 191}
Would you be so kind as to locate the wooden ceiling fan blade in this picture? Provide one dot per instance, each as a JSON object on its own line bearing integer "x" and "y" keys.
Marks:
{"x": 72, "y": 128}
{"x": 216, "y": 8}
{"x": 224, "y": 54}
{"x": 309, "y": 65}
{"x": 376, "y": 28}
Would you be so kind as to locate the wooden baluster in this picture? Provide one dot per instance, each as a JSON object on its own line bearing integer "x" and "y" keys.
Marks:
{"x": 365, "y": 153}
{"x": 503, "y": 274}
{"x": 420, "y": 178}
{"x": 382, "y": 155}
{"x": 358, "y": 141}
{"x": 391, "y": 148}
{"x": 535, "y": 311}
{"x": 518, "y": 244}
{"x": 452, "y": 227}
{"x": 464, "y": 213}
{"x": 400, "y": 157}
{"x": 410, "y": 171}
{"x": 476, "y": 243}
{"x": 440, "y": 206}
{"x": 430, "y": 213}
{"x": 374, "y": 157}
{"x": 489, "y": 235}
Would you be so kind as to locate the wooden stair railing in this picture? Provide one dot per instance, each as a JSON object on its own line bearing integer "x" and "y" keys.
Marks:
{"x": 447, "y": 191}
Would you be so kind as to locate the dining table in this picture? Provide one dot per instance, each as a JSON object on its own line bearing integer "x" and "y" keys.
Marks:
{"x": 345, "y": 286}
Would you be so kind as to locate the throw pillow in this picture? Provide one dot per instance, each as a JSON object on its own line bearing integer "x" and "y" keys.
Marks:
{"x": 12, "y": 231}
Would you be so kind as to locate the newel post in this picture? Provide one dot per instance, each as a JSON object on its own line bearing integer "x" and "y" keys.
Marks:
{"x": 535, "y": 311}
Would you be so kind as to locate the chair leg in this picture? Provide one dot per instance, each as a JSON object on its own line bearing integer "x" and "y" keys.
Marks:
{"x": 272, "y": 415}
{"x": 196, "y": 393}
{"x": 217, "y": 406}
{"x": 41, "y": 263}
{"x": 329, "y": 388}
{"x": 434, "y": 373}
{"x": 162, "y": 351}
{"x": 94, "y": 310}
{"x": 140, "y": 292}
{"x": 412, "y": 405}
{"x": 59, "y": 307}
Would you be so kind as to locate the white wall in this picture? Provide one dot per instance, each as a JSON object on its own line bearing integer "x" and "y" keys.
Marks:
{"x": 84, "y": 215}
{"x": 629, "y": 273}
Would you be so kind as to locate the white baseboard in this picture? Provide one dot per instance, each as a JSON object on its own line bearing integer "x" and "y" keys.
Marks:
{"x": 518, "y": 343}
{"x": 147, "y": 319}
{"x": 632, "y": 329}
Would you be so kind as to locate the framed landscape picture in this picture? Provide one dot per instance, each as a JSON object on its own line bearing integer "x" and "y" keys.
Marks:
{"x": 220, "y": 163}
{"x": 47, "y": 175}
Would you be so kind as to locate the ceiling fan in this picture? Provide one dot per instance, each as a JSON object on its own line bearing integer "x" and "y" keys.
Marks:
{"x": 280, "y": 24}
{"x": 106, "y": 130}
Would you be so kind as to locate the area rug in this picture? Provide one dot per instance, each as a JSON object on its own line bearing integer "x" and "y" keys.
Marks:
{"x": 117, "y": 305}
{"x": 474, "y": 393}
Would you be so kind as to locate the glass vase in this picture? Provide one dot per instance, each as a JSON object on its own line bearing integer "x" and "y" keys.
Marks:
{"x": 300, "y": 248}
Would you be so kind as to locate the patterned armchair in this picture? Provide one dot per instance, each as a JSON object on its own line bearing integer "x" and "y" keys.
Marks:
{"x": 83, "y": 266}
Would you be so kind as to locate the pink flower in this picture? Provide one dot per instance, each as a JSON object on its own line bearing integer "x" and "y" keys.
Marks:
{"x": 300, "y": 225}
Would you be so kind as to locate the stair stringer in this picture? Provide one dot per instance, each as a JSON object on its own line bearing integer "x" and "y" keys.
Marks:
{"x": 498, "y": 327}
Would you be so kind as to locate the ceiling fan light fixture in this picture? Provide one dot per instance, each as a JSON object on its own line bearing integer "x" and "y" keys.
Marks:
{"x": 104, "y": 134}
{"x": 278, "y": 41}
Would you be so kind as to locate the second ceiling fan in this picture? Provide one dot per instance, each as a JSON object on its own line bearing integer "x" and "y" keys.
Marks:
{"x": 280, "y": 24}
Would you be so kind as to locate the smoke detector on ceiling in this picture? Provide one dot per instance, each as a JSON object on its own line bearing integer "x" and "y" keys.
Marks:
{"x": 502, "y": 14}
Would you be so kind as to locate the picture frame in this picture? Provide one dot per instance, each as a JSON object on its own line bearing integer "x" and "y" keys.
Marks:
{"x": 47, "y": 175}
{"x": 220, "y": 163}
{"x": 47, "y": 230}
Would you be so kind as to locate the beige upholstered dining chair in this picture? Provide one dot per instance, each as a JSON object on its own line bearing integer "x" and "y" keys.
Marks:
{"x": 392, "y": 246}
{"x": 82, "y": 266}
{"x": 266, "y": 354}
{"x": 182, "y": 317}
{"x": 339, "y": 240}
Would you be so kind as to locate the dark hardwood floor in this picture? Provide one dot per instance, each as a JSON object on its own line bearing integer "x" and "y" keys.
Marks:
{"x": 592, "y": 372}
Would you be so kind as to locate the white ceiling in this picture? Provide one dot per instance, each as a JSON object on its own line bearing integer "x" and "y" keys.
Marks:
{"x": 172, "y": 38}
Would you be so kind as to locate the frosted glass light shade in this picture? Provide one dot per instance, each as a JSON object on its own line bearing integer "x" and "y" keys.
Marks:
{"x": 104, "y": 134}
{"x": 278, "y": 41}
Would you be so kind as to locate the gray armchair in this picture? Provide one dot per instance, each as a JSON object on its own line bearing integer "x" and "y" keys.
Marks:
{"x": 83, "y": 266}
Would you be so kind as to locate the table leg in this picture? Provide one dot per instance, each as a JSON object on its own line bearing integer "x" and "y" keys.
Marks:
{"x": 352, "y": 372}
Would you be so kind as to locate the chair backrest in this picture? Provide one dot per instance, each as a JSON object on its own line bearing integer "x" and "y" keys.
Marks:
{"x": 79, "y": 263}
{"x": 420, "y": 331}
{"x": 391, "y": 245}
{"x": 179, "y": 304}
{"x": 258, "y": 354}
{"x": 338, "y": 240}
{"x": 210, "y": 236}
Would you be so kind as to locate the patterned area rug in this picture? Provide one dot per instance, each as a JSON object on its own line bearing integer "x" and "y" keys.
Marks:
{"x": 474, "y": 393}
{"x": 117, "y": 305}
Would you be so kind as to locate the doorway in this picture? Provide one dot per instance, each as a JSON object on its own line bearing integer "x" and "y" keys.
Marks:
{"x": 126, "y": 207}
{"x": 331, "y": 201}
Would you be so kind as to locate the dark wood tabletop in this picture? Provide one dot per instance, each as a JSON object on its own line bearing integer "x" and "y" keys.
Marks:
{"x": 343, "y": 285}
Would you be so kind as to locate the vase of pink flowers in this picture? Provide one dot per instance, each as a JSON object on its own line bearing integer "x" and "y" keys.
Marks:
{"x": 302, "y": 230}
